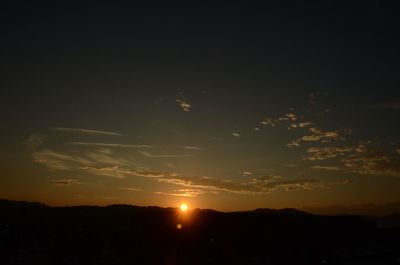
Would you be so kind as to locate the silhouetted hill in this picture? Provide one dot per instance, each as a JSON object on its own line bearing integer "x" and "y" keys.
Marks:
{"x": 285, "y": 211}
{"x": 392, "y": 220}
{"x": 31, "y": 233}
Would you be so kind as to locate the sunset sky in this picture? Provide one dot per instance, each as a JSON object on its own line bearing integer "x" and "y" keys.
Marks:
{"x": 221, "y": 105}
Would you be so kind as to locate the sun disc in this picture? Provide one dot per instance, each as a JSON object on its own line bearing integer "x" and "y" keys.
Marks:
{"x": 184, "y": 207}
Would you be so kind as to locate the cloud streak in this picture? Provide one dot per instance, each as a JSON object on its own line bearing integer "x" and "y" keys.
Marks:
{"x": 86, "y": 131}
{"x": 147, "y": 154}
{"x": 113, "y": 145}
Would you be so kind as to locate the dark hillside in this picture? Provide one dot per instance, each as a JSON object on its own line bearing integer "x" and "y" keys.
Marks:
{"x": 32, "y": 233}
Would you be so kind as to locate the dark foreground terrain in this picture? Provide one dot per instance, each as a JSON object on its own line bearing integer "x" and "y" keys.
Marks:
{"x": 31, "y": 233}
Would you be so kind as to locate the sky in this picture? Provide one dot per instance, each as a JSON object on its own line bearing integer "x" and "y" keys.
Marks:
{"x": 225, "y": 105}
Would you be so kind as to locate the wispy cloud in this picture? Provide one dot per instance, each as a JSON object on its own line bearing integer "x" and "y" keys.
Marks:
{"x": 34, "y": 140}
{"x": 208, "y": 184}
{"x": 255, "y": 186}
{"x": 235, "y": 134}
{"x": 109, "y": 171}
{"x": 191, "y": 147}
{"x": 128, "y": 188}
{"x": 93, "y": 165}
{"x": 75, "y": 160}
{"x": 326, "y": 167}
{"x": 191, "y": 193}
{"x": 86, "y": 131}
{"x": 113, "y": 145}
{"x": 57, "y": 160}
{"x": 67, "y": 182}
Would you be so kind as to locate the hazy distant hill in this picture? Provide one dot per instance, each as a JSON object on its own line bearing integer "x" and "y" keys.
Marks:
{"x": 31, "y": 233}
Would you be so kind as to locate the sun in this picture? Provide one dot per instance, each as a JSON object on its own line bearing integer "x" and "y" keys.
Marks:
{"x": 184, "y": 207}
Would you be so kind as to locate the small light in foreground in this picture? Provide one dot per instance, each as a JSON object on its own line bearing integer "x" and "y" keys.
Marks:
{"x": 184, "y": 207}
{"x": 179, "y": 226}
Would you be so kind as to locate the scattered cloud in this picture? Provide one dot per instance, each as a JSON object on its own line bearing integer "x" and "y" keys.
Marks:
{"x": 292, "y": 121}
{"x": 272, "y": 183}
{"x": 268, "y": 122}
{"x": 86, "y": 131}
{"x": 247, "y": 173}
{"x": 289, "y": 119}
{"x": 321, "y": 135}
{"x": 236, "y": 134}
{"x": 362, "y": 159}
{"x": 373, "y": 162}
{"x": 291, "y": 116}
{"x": 293, "y": 143}
{"x": 304, "y": 124}
{"x": 184, "y": 104}
{"x": 323, "y": 153}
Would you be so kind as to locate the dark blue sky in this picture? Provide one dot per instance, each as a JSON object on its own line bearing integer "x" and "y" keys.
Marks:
{"x": 281, "y": 104}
